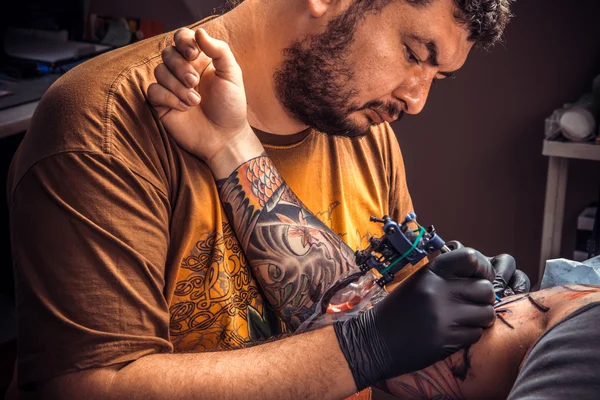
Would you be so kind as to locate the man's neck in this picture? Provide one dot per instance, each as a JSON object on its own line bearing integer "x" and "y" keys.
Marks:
{"x": 253, "y": 32}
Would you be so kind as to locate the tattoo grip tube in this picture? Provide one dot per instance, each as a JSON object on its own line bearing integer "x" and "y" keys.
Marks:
{"x": 353, "y": 294}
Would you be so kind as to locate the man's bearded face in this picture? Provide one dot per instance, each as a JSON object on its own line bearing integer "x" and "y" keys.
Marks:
{"x": 315, "y": 80}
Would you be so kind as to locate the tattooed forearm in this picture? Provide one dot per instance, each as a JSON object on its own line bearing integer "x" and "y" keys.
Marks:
{"x": 294, "y": 256}
{"x": 435, "y": 382}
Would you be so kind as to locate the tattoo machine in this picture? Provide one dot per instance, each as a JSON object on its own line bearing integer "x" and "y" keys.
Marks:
{"x": 357, "y": 291}
{"x": 398, "y": 247}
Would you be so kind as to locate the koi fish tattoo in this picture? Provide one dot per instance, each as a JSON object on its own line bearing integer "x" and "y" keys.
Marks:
{"x": 294, "y": 256}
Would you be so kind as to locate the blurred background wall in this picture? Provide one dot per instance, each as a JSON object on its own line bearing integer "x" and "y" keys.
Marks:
{"x": 473, "y": 156}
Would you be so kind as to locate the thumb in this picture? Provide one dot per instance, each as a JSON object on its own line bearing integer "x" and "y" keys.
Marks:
{"x": 520, "y": 282}
{"x": 222, "y": 57}
{"x": 504, "y": 267}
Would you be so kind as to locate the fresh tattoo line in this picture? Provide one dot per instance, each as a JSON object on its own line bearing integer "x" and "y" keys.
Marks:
{"x": 501, "y": 317}
{"x": 441, "y": 380}
{"x": 294, "y": 256}
{"x": 501, "y": 311}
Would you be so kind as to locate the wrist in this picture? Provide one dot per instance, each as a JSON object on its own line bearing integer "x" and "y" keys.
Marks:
{"x": 245, "y": 147}
{"x": 364, "y": 350}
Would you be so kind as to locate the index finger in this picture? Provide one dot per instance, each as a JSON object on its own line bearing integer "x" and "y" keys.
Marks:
{"x": 463, "y": 263}
{"x": 185, "y": 43}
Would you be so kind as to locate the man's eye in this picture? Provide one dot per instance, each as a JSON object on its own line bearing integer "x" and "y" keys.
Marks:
{"x": 410, "y": 55}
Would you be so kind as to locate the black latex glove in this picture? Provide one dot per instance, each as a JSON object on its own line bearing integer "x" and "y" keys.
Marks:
{"x": 508, "y": 279}
{"x": 441, "y": 309}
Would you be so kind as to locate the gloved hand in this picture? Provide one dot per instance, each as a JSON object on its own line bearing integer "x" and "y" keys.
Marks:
{"x": 508, "y": 279}
{"x": 441, "y": 309}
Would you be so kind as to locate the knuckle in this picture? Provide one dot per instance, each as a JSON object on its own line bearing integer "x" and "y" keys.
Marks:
{"x": 167, "y": 97}
{"x": 151, "y": 92}
{"x": 159, "y": 70}
{"x": 155, "y": 95}
{"x": 471, "y": 254}
{"x": 491, "y": 317}
{"x": 486, "y": 285}
{"x": 223, "y": 46}
{"x": 508, "y": 258}
{"x": 474, "y": 257}
{"x": 180, "y": 33}
{"x": 166, "y": 52}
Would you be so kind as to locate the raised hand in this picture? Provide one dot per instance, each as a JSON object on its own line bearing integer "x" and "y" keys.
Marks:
{"x": 200, "y": 99}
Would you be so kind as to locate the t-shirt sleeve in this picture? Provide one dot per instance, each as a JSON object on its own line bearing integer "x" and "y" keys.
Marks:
{"x": 89, "y": 239}
{"x": 564, "y": 363}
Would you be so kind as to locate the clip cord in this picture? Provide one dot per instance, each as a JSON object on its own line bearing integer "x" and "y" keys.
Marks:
{"x": 403, "y": 256}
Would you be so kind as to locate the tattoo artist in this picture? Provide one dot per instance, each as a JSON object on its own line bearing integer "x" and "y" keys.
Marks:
{"x": 130, "y": 282}
{"x": 442, "y": 309}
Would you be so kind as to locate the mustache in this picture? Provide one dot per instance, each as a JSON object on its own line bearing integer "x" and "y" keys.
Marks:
{"x": 390, "y": 108}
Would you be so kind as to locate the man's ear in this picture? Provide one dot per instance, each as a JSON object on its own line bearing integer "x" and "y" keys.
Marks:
{"x": 318, "y": 8}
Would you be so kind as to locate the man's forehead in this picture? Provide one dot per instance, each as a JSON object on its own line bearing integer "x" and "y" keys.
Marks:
{"x": 447, "y": 44}
{"x": 434, "y": 25}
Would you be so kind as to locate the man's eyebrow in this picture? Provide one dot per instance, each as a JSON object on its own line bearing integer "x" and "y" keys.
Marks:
{"x": 432, "y": 49}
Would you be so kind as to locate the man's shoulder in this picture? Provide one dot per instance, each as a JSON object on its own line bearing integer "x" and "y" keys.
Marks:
{"x": 85, "y": 98}
{"x": 98, "y": 107}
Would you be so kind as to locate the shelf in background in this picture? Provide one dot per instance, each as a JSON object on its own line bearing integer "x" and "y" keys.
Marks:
{"x": 16, "y": 119}
{"x": 559, "y": 154}
{"x": 582, "y": 151}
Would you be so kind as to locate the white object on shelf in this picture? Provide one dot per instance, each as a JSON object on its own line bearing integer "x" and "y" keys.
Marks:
{"x": 577, "y": 124}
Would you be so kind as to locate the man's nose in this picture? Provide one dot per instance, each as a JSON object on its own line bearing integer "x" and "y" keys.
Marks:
{"x": 413, "y": 91}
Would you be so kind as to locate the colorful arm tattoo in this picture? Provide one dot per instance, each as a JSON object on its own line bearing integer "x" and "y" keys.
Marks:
{"x": 294, "y": 256}
{"x": 437, "y": 382}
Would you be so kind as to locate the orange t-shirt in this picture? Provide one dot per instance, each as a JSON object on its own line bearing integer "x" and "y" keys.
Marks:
{"x": 121, "y": 247}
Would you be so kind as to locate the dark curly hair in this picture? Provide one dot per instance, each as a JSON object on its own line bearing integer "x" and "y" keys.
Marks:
{"x": 484, "y": 19}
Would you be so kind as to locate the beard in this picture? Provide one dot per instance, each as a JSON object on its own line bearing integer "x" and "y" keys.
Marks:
{"x": 314, "y": 82}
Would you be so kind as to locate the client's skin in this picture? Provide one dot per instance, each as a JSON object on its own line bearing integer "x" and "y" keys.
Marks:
{"x": 488, "y": 369}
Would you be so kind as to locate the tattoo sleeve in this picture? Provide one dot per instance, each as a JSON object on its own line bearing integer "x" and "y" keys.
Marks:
{"x": 438, "y": 381}
{"x": 294, "y": 256}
